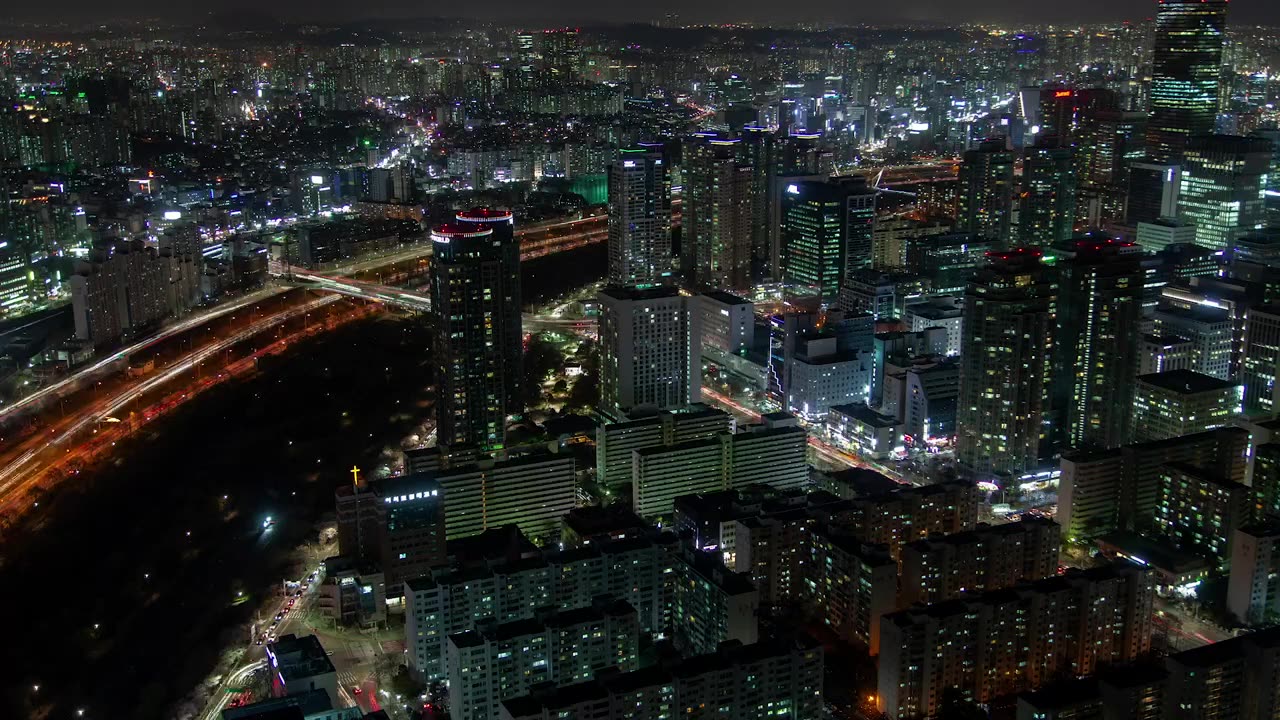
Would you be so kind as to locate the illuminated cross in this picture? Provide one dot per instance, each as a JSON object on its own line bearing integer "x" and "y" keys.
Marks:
{"x": 355, "y": 476}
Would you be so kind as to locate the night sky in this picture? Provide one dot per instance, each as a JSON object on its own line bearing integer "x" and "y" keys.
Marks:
{"x": 594, "y": 11}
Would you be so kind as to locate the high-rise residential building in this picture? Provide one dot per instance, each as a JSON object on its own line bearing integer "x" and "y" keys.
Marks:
{"x": 1005, "y": 364}
{"x": 475, "y": 294}
{"x": 511, "y": 580}
{"x": 1261, "y": 361}
{"x": 848, "y": 583}
{"x": 1223, "y": 185}
{"x": 122, "y": 288}
{"x": 491, "y": 664}
{"x": 1108, "y": 141}
{"x": 711, "y": 604}
{"x": 1002, "y": 642}
{"x": 615, "y": 442}
{"x": 1123, "y": 692}
{"x": 716, "y": 234}
{"x": 738, "y": 680}
{"x": 883, "y": 513}
{"x": 648, "y": 350}
{"x": 756, "y": 150}
{"x": 532, "y": 491}
{"x": 772, "y": 455}
{"x": 1181, "y": 402}
{"x": 639, "y": 218}
{"x": 1265, "y": 479}
{"x": 1100, "y": 491}
{"x": 1047, "y": 211}
{"x": 1185, "y": 71}
{"x": 1253, "y": 591}
{"x": 1099, "y": 307}
{"x": 826, "y": 232}
{"x": 990, "y": 557}
{"x": 985, "y": 192}
{"x": 562, "y": 55}
{"x": 1235, "y": 678}
{"x": 1200, "y": 508}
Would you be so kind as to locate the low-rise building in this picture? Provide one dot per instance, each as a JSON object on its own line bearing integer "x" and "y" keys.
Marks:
{"x": 1182, "y": 402}
{"x": 863, "y": 431}
{"x": 299, "y": 665}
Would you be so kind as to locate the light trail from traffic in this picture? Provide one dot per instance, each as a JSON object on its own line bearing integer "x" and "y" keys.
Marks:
{"x": 12, "y": 480}
{"x": 89, "y": 371}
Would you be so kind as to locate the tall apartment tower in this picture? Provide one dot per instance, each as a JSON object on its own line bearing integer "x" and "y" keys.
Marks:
{"x": 1006, "y": 361}
{"x": 985, "y": 202}
{"x": 648, "y": 356}
{"x": 716, "y": 239}
{"x": 475, "y": 292}
{"x": 1048, "y": 196}
{"x": 1099, "y": 308}
{"x": 639, "y": 218}
{"x": 1186, "y": 64}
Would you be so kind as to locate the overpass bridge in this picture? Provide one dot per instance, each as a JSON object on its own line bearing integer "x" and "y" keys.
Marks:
{"x": 415, "y": 301}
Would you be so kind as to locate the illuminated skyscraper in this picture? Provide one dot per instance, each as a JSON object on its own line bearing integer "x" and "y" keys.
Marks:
{"x": 639, "y": 218}
{"x": 1223, "y": 184}
{"x": 1006, "y": 355}
{"x": 826, "y": 232}
{"x": 717, "y": 215}
{"x": 1184, "y": 75}
{"x": 475, "y": 293}
{"x": 648, "y": 352}
{"x": 1099, "y": 307}
{"x": 985, "y": 203}
{"x": 1048, "y": 196}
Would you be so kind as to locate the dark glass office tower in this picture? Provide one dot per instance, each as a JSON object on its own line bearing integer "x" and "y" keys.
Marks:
{"x": 475, "y": 293}
{"x": 1186, "y": 64}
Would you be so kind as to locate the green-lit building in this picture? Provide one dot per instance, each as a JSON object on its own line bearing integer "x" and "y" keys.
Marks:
{"x": 1185, "y": 70}
{"x": 826, "y": 233}
{"x": 1223, "y": 184}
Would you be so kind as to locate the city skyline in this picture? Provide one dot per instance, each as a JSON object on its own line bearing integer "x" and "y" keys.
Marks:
{"x": 538, "y": 369}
